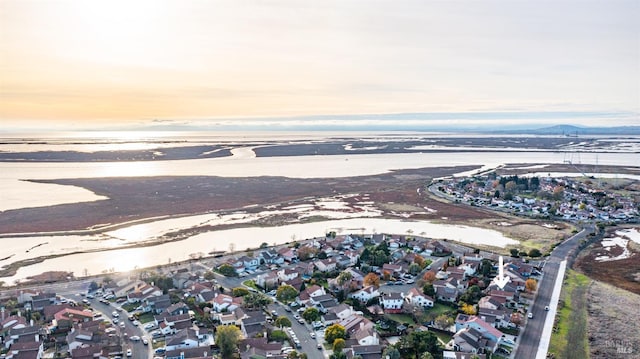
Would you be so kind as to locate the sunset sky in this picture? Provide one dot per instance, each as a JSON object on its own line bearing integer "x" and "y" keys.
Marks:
{"x": 96, "y": 64}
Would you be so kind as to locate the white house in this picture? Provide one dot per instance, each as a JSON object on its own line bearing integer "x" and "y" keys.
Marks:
{"x": 223, "y": 302}
{"x": 415, "y": 297}
{"x": 365, "y": 294}
{"x": 287, "y": 274}
{"x": 391, "y": 302}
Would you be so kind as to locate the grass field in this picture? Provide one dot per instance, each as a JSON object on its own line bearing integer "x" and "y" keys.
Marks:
{"x": 571, "y": 319}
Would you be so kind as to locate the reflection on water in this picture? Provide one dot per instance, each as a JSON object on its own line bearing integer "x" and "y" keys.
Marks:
{"x": 252, "y": 237}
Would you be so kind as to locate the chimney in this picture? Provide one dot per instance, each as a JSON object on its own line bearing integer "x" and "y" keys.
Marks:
{"x": 361, "y": 325}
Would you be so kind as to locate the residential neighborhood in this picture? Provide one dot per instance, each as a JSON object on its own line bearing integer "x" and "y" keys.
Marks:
{"x": 564, "y": 198}
{"x": 337, "y": 296}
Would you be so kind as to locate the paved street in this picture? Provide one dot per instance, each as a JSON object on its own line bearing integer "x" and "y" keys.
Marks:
{"x": 309, "y": 345}
{"x": 529, "y": 339}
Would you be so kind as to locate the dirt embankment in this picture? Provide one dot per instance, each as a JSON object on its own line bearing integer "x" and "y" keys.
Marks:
{"x": 613, "y": 322}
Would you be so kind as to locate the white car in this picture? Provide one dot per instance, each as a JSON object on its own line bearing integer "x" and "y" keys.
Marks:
{"x": 530, "y": 315}
{"x": 134, "y": 338}
{"x": 129, "y": 353}
{"x": 149, "y": 325}
{"x": 145, "y": 341}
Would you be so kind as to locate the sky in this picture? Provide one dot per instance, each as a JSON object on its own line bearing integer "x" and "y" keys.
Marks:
{"x": 119, "y": 63}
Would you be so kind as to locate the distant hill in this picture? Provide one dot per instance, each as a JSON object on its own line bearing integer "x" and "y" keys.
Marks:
{"x": 570, "y": 130}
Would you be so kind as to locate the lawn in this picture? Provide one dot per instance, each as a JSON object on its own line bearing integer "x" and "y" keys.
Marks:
{"x": 401, "y": 318}
{"x": 251, "y": 284}
{"x": 130, "y": 307}
{"x": 145, "y": 318}
{"x": 571, "y": 319}
{"x": 439, "y": 308}
{"x": 443, "y": 337}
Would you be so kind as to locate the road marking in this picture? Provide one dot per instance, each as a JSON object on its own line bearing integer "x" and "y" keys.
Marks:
{"x": 545, "y": 338}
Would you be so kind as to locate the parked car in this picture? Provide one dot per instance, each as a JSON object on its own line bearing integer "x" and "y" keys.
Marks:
{"x": 135, "y": 338}
{"x": 129, "y": 353}
{"x": 530, "y": 315}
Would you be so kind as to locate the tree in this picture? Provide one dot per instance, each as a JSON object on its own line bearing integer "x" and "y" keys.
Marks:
{"x": 414, "y": 268}
{"x": 429, "y": 277}
{"x": 311, "y": 314}
{"x": 264, "y": 245}
{"x": 227, "y": 270}
{"x": 93, "y": 286}
{"x": 468, "y": 309}
{"x": 338, "y": 345}
{"x": 514, "y": 252}
{"x": 306, "y": 252}
{"x": 418, "y": 342}
{"x": 256, "y": 300}
{"x": 558, "y": 193}
{"x": 391, "y": 353}
{"x": 286, "y": 293}
{"x": 471, "y": 295}
{"x": 344, "y": 278}
{"x": 443, "y": 321}
{"x": 531, "y": 285}
{"x": 227, "y": 337}
{"x": 426, "y": 355}
{"x": 279, "y": 335}
{"x": 282, "y": 321}
{"x": 429, "y": 290}
{"x": 322, "y": 255}
{"x": 534, "y": 253}
{"x": 386, "y": 275}
{"x": 209, "y": 275}
{"x": 371, "y": 279}
{"x": 239, "y": 292}
{"x": 334, "y": 332}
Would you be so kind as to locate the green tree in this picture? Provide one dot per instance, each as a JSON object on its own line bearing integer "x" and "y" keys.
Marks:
{"x": 414, "y": 268}
{"x": 311, "y": 314}
{"x": 286, "y": 293}
{"x": 344, "y": 278}
{"x": 534, "y": 253}
{"x": 279, "y": 336}
{"x": 227, "y": 270}
{"x": 334, "y": 332}
{"x": 256, "y": 300}
{"x": 227, "y": 337}
{"x": 443, "y": 321}
{"x": 391, "y": 353}
{"x": 426, "y": 355}
{"x": 429, "y": 290}
{"x": 209, "y": 275}
{"x": 514, "y": 252}
{"x": 418, "y": 342}
{"x": 93, "y": 286}
{"x": 239, "y": 292}
{"x": 264, "y": 245}
{"x": 338, "y": 345}
{"x": 282, "y": 322}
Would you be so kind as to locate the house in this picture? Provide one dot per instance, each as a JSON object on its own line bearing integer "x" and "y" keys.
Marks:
{"x": 365, "y": 294}
{"x": 488, "y": 331}
{"x": 391, "y": 302}
{"x": 366, "y": 335}
{"x": 470, "y": 340}
{"x": 157, "y": 304}
{"x": 287, "y": 254}
{"x": 13, "y": 321}
{"x": 259, "y": 347}
{"x": 65, "y": 318}
{"x": 25, "y": 350}
{"x": 177, "y": 309}
{"x": 223, "y": 302}
{"x": 270, "y": 256}
{"x": 229, "y": 318}
{"x": 185, "y": 338}
{"x": 252, "y": 324}
{"x": 416, "y": 297}
{"x": 26, "y": 334}
{"x": 310, "y": 292}
{"x": 326, "y": 265}
{"x": 267, "y": 280}
{"x": 249, "y": 263}
{"x": 287, "y": 274}
{"x": 324, "y": 302}
{"x": 446, "y": 294}
{"x": 342, "y": 311}
{"x": 188, "y": 353}
{"x": 489, "y": 302}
